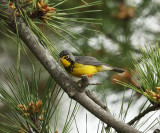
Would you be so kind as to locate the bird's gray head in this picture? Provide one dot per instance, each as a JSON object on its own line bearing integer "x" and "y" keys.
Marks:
{"x": 67, "y": 55}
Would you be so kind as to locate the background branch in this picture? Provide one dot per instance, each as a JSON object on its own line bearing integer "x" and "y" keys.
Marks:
{"x": 140, "y": 115}
{"x": 58, "y": 74}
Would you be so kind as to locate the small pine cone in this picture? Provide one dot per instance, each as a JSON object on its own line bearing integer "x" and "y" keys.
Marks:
{"x": 45, "y": 6}
{"x": 40, "y": 118}
{"x": 31, "y": 106}
{"x": 38, "y": 105}
{"x": 20, "y": 106}
{"x": 153, "y": 93}
{"x": 158, "y": 89}
{"x": 43, "y": 112}
{"x": 38, "y": 5}
{"x": 41, "y": 2}
{"x": 155, "y": 98}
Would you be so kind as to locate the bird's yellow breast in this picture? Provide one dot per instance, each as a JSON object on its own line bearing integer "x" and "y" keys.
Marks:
{"x": 80, "y": 70}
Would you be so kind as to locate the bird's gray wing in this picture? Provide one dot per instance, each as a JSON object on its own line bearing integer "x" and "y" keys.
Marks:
{"x": 88, "y": 60}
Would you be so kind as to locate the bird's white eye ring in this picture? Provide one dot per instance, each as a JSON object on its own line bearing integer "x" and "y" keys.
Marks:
{"x": 67, "y": 56}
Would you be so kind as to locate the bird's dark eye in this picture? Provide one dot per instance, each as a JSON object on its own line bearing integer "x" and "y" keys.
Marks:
{"x": 67, "y": 56}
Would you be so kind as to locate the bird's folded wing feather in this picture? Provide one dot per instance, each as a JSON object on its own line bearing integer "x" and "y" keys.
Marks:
{"x": 88, "y": 60}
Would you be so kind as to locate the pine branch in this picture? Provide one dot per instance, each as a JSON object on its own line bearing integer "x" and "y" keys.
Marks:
{"x": 156, "y": 131}
{"x": 58, "y": 74}
{"x": 140, "y": 115}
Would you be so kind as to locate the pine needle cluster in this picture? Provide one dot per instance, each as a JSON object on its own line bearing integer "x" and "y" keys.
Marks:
{"x": 31, "y": 112}
{"x": 147, "y": 74}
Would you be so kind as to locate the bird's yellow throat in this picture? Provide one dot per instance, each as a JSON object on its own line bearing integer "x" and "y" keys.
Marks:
{"x": 65, "y": 62}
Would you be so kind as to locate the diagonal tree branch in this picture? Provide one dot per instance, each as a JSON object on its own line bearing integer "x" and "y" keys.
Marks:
{"x": 58, "y": 74}
{"x": 146, "y": 111}
{"x": 96, "y": 100}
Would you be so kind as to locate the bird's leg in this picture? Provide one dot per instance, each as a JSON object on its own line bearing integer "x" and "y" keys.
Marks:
{"x": 89, "y": 76}
{"x": 95, "y": 83}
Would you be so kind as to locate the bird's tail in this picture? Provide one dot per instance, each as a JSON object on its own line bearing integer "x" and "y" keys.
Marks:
{"x": 108, "y": 68}
{"x": 117, "y": 70}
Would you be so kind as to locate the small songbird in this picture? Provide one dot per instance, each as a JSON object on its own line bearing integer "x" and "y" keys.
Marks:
{"x": 84, "y": 65}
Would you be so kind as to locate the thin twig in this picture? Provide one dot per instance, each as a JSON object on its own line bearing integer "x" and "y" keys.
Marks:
{"x": 95, "y": 83}
{"x": 156, "y": 131}
{"x": 96, "y": 100}
{"x": 149, "y": 109}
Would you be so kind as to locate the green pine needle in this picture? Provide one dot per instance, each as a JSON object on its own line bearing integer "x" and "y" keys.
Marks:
{"x": 148, "y": 73}
{"x": 22, "y": 92}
